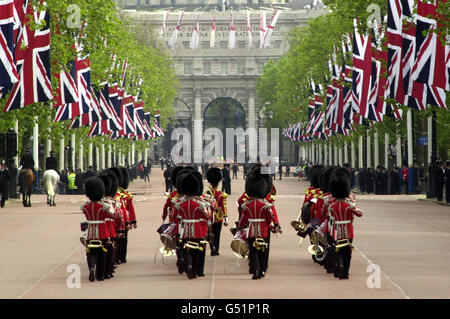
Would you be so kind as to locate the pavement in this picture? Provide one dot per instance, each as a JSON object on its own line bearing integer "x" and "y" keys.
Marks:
{"x": 401, "y": 252}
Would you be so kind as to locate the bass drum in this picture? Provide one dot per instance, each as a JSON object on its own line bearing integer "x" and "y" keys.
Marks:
{"x": 168, "y": 237}
{"x": 239, "y": 244}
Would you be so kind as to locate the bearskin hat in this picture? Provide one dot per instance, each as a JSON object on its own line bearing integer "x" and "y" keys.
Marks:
{"x": 94, "y": 188}
{"x": 175, "y": 171}
{"x": 114, "y": 182}
{"x": 256, "y": 169}
{"x": 256, "y": 185}
{"x": 340, "y": 183}
{"x": 314, "y": 173}
{"x": 104, "y": 176}
{"x": 325, "y": 179}
{"x": 214, "y": 176}
{"x": 188, "y": 183}
{"x": 119, "y": 175}
{"x": 126, "y": 177}
{"x": 199, "y": 177}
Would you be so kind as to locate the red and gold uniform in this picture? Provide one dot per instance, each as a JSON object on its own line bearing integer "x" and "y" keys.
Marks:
{"x": 220, "y": 216}
{"x": 98, "y": 236}
{"x": 191, "y": 219}
{"x": 257, "y": 215}
{"x": 122, "y": 227}
{"x": 168, "y": 206}
{"x": 341, "y": 213}
{"x": 111, "y": 222}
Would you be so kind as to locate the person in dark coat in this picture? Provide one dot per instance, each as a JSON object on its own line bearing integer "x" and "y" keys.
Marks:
{"x": 235, "y": 170}
{"x": 167, "y": 180}
{"x": 89, "y": 173}
{"x": 370, "y": 181}
{"x": 79, "y": 181}
{"x": 51, "y": 162}
{"x": 378, "y": 179}
{"x": 63, "y": 181}
{"x": 447, "y": 182}
{"x": 4, "y": 183}
{"x": 226, "y": 182}
{"x": 362, "y": 180}
{"x": 393, "y": 176}
{"x": 439, "y": 179}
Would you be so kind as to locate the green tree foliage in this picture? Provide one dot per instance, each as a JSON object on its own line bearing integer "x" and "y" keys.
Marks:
{"x": 99, "y": 28}
{"x": 283, "y": 88}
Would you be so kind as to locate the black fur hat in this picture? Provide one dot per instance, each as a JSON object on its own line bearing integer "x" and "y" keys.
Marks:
{"x": 188, "y": 183}
{"x": 256, "y": 169}
{"x": 199, "y": 177}
{"x": 315, "y": 172}
{"x": 175, "y": 171}
{"x": 214, "y": 176}
{"x": 325, "y": 179}
{"x": 339, "y": 184}
{"x": 183, "y": 170}
{"x": 104, "y": 176}
{"x": 256, "y": 185}
{"x": 114, "y": 182}
{"x": 126, "y": 177}
{"x": 94, "y": 188}
{"x": 119, "y": 175}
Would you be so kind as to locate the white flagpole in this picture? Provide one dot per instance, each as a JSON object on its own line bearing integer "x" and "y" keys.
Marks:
{"x": 173, "y": 38}
{"x": 262, "y": 28}
{"x": 270, "y": 28}
{"x": 232, "y": 40}
{"x": 193, "y": 44}
{"x": 212, "y": 40}
{"x": 166, "y": 15}
{"x": 249, "y": 31}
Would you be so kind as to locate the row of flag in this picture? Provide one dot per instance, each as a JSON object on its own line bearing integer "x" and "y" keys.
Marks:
{"x": 25, "y": 73}
{"x": 265, "y": 31}
{"x": 414, "y": 71}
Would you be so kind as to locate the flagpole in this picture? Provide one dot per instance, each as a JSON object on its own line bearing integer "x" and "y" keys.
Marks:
{"x": 340, "y": 155}
{"x": 430, "y": 140}
{"x": 345, "y": 152}
{"x": 330, "y": 156}
{"x": 376, "y": 160}
{"x": 80, "y": 156}
{"x": 410, "y": 150}
{"x": 72, "y": 146}
{"x": 108, "y": 159}
{"x": 36, "y": 148}
{"x": 399, "y": 148}
{"x": 352, "y": 154}
{"x": 360, "y": 152}
{"x": 386, "y": 150}
{"x": 336, "y": 160}
{"x": 369, "y": 153}
{"x": 325, "y": 155}
{"x": 61, "y": 154}
{"x": 90, "y": 154}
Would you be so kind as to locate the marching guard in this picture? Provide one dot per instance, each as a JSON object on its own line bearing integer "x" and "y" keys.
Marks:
{"x": 257, "y": 216}
{"x": 214, "y": 176}
{"x": 121, "y": 222}
{"x": 191, "y": 219}
{"x": 98, "y": 234}
{"x": 341, "y": 213}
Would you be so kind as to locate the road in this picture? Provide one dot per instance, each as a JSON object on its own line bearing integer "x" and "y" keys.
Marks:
{"x": 401, "y": 251}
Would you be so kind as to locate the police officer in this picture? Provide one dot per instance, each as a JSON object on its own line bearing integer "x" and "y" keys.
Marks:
{"x": 4, "y": 183}
{"x": 50, "y": 162}
{"x": 71, "y": 182}
{"x": 27, "y": 161}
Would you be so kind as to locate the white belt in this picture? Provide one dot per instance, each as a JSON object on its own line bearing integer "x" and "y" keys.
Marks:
{"x": 192, "y": 220}
{"x": 259, "y": 220}
{"x": 90, "y": 222}
{"x": 343, "y": 222}
{"x": 109, "y": 220}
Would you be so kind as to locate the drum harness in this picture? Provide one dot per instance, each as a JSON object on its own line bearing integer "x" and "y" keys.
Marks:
{"x": 95, "y": 243}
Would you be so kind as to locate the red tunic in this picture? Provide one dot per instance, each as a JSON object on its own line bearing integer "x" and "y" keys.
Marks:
{"x": 241, "y": 200}
{"x": 340, "y": 218}
{"x": 257, "y": 215}
{"x": 191, "y": 217}
{"x": 122, "y": 221}
{"x": 111, "y": 221}
{"x": 96, "y": 213}
{"x": 220, "y": 211}
{"x": 168, "y": 206}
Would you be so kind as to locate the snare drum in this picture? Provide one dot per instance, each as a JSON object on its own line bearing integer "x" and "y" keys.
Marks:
{"x": 239, "y": 244}
{"x": 168, "y": 236}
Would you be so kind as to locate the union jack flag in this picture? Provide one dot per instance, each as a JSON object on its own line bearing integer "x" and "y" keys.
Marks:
{"x": 156, "y": 128}
{"x": 8, "y": 70}
{"x": 33, "y": 63}
{"x": 67, "y": 91}
{"x": 431, "y": 61}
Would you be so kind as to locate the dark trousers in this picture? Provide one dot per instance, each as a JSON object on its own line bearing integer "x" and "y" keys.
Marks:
{"x": 258, "y": 258}
{"x": 195, "y": 258}
{"x": 96, "y": 259}
{"x": 226, "y": 187}
{"x": 109, "y": 259}
{"x": 439, "y": 191}
{"x": 121, "y": 251}
{"x": 447, "y": 192}
{"x": 4, "y": 196}
{"x": 216, "y": 229}
{"x": 343, "y": 258}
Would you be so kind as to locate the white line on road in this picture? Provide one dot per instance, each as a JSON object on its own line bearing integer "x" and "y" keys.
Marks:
{"x": 388, "y": 278}
{"x": 211, "y": 293}
{"x": 48, "y": 273}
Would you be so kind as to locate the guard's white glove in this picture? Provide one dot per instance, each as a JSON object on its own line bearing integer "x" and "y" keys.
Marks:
{"x": 225, "y": 221}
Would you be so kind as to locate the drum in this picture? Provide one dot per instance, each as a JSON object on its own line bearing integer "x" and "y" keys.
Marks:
{"x": 239, "y": 244}
{"x": 168, "y": 236}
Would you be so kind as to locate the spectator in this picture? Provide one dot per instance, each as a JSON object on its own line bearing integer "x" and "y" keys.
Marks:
{"x": 71, "y": 185}
{"x": 4, "y": 183}
{"x": 167, "y": 180}
{"x": 405, "y": 178}
{"x": 63, "y": 182}
{"x": 393, "y": 175}
{"x": 79, "y": 181}
{"x": 235, "y": 170}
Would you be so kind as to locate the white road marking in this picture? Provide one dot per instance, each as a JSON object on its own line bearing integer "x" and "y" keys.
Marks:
{"x": 388, "y": 278}
{"x": 48, "y": 273}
